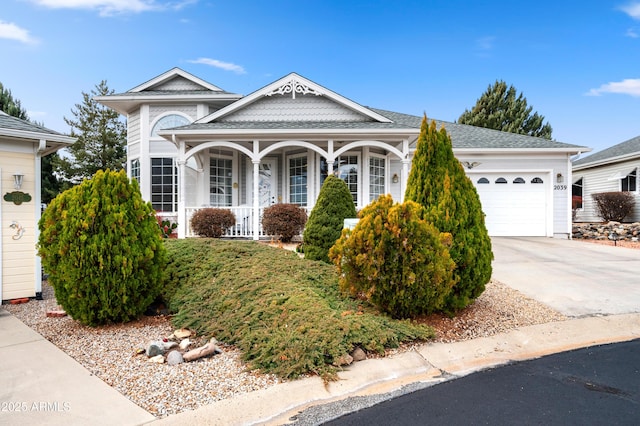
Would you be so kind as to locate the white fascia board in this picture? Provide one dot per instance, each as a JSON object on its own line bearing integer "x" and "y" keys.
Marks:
{"x": 562, "y": 150}
{"x": 608, "y": 161}
{"x": 36, "y": 136}
{"x": 171, "y": 74}
{"x": 259, "y": 94}
{"x": 185, "y": 134}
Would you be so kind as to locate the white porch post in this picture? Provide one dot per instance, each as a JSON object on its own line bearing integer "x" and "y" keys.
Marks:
{"x": 405, "y": 168}
{"x": 330, "y": 158}
{"x": 256, "y": 190}
{"x": 182, "y": 202}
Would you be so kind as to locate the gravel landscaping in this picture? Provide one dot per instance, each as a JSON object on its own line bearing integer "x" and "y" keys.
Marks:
{"x": 110, "y": 352}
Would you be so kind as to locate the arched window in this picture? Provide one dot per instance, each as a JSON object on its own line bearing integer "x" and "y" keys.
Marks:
{"x": 168, "y": 122}
{"x": 483, "y": 180}
{"x": 518, "y": 180}
{"x": 536, "y": 180}
{"x": 501, "y": 180}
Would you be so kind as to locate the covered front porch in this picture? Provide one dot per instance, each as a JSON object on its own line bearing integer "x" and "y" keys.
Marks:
{"x": 248, "y": 176}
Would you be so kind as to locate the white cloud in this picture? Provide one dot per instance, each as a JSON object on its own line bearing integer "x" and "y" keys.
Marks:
{"x": 631, "y": 32}
{"x": 115, "y": 7}
{"x": 227, "y": 66}
{"x": 485, "y": 43}
{"x": 630, "y": 86}
{"x": 13, "y": 32}
{"x": 632, "y": 9}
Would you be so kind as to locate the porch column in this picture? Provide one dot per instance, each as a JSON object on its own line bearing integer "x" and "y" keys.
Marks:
{"x": 256, "y": 190}
{"x": 405, "y": 168}
{"x": 182, "y": 201}
{"x": 330, "y": 158}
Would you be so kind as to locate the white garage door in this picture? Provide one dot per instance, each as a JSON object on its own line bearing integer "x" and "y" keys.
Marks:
{"x": 515, "y": 204}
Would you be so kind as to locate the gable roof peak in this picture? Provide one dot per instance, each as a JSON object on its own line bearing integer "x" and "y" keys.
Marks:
{"x": 173, "y": 73}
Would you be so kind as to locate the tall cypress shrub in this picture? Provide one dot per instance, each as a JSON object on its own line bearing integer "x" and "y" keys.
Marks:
{"x": 101, "y": 246}
{"x": 438, "y": 182}
{"x": 326, "y": 220}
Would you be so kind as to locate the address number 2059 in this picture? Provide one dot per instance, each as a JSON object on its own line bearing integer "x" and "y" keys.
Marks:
{"x": 559, "y": 187}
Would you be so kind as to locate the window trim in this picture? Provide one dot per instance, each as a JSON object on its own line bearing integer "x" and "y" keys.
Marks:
{"x": 288, "y": 178}
{"x": 161, "y": 117}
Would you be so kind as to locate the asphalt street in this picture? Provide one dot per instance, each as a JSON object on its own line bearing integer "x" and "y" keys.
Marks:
{"x": 598, "y": 385}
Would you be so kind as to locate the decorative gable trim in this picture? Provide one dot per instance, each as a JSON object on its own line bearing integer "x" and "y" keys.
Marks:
{"x": 294, "y": 83}
{"x": 171, "y": 74}
{"x": 294, "y": 86}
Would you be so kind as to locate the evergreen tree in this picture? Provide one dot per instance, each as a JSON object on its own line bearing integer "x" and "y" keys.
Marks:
{"x": 101, "y": 139}
{"x": 101, "y": 245}
{"x": 438, "y": 182}
{"x": 498, "y": 108}
{"x": 326, "y": 220}
{"x": 51, "y": 186}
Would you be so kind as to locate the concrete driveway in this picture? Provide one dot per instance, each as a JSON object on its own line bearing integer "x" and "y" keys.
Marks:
{"x": 573, "y": 277}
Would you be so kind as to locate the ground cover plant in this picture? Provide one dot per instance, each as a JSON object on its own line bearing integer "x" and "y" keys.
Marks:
{"x": 285, "y": 313}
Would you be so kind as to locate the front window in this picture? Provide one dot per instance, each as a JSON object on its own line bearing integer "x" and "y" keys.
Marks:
{"x": 168, "y": 122}
{"x": 629, "y": 182}
{"x": 135, "y": 170}
{"x": 220, "y": 182}
{"x": 346, "y": 168}
{"x": 576, "y": 194}
{"x": 376, "y": 177}
{"x": 164, "y": 185}
{"x": 298, "y": 181}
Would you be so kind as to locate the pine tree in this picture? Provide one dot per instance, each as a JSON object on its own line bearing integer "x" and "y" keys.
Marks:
{"x": 438, "y": 182}
{"x": 326, "y": 220}
{"x": 101, "y": 246}
{"x": 101, "y": 139}
{"x": 498, "y": 108}
{"x": 11, "y": 106}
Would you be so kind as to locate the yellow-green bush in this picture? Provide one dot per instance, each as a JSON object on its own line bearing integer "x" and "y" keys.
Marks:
{"x": 395, "y": 259}
{"x": 101, "y": 246}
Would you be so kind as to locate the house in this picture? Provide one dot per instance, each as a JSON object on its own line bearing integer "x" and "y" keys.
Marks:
{"x": 612, "y": 169}
{"x": 193, "y": 145}
{"x": 22, "y": 145}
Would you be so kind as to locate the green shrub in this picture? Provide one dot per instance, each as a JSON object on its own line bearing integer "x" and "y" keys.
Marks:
{"x": 395, "y": 259}
{"x": 438, "y": 182}
{"x": 211, "y": 222}
{"x": 285, "y": 313}
{"x": 284, "y": 221}
{"x": 100, "y": 244}
{"x": 326, "y": 220}
{"x": 614, "y": 206}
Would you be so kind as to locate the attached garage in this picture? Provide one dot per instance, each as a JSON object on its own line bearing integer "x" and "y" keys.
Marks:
{"x": 516, "y": 203}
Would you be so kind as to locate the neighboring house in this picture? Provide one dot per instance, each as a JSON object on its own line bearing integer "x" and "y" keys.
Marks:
{"x": 193, "y": 145}
{"x": 612, "y": 169}
{"x": 22, "y": 145}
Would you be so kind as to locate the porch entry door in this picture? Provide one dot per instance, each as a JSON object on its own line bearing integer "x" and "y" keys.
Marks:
{"x": 268, "y": 182}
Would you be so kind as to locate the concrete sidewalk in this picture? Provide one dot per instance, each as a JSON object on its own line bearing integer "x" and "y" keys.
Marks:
{"x": 41, "y": 385}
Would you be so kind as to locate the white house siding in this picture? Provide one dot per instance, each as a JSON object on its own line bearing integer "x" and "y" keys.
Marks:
{"x": 158, "y": 111}
{"x": 178, "y": 83}
{"x": 133, "y": 127}
{"x": 18, "y": 255}
{"x": 600, "y": 179}
{"x": 302, "y": 108}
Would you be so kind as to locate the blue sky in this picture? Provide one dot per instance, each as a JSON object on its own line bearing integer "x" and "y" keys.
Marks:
{"x": 576, "y": 62}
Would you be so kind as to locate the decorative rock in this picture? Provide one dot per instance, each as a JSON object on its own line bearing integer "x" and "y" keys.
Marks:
{"x": 159, "y": 347}
{"x": 158, "y": 359}
{"x": 174, "y": 358}
{"x": 184, "y": 344}
{"x": 209, "y": 349}
{"x": 182, "y": 333}
{"x": 345, "y": 359}
{"x": 358, "y": 354}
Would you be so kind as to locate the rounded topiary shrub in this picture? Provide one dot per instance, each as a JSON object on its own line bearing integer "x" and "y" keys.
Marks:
{"x": 284, "y": 221}
{"x": 101, "y": 246}
{"x": 211, "y": 222}
{"x": 326, "y": 220}
{"x": 395, "y": 259}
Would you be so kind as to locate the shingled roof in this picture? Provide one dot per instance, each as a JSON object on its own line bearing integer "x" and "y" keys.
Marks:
{"x": 16, "y": 128}
{"x": 624, "y": 151}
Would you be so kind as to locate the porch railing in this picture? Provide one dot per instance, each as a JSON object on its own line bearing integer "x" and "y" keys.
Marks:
{"x": 244, "y": 222}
